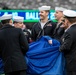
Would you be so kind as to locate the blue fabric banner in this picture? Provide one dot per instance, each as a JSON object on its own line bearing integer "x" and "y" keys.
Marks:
{"x": 44, "y": 58}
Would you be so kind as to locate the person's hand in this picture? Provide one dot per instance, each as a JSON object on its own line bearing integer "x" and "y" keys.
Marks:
{"x": 50, "y": 41}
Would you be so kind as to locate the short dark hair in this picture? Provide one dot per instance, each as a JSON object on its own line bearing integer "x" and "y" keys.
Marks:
{"x": 5, "y": 21}
{"x": 71, "y": 19}
{"x": 14, "y": 22}
{"x": 47, "y": 10}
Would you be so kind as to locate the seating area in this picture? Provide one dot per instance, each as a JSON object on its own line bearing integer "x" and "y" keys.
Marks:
{"x": 34, "y": 4}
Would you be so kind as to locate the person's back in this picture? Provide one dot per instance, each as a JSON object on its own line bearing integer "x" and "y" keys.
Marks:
{"x": 11, "y": 41}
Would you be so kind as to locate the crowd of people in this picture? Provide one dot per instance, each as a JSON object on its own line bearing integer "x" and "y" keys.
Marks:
{"x": 28, "y": 4}
{"x": 15, "y": 38}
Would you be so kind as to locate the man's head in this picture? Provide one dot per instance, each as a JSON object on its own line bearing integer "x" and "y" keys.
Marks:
{"x": 70, "y": 16}
{"x": 44, "y": 11}
{"x": 6, "y": 19}
{"x": 18, "y": 21}
{"x": 59, "y": 13}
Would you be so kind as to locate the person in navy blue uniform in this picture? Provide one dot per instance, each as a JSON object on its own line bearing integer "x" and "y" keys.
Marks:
{"x": 69, "y": 42}
{"x": 18, "y": 23}
{"x": 13, "y": 47}
{"x": 44, "y": 26}
{"x": 59, "y": 30}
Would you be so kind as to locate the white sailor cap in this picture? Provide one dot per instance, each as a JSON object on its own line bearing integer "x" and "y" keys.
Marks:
{"x": 5, "y": 17}
{"x": 69, "y": 13}
{"x": 18, "y": 18}
{"x": 60, "y": 9}
{"x": 44, "y": 8}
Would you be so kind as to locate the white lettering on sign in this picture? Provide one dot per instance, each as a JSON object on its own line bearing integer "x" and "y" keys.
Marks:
{"x": 0, "y": 12}
{"x": 5, "y": 13}
{"x": 14, "y": 14}
{"x": 32, "y": 15}
{"x": 52, "y": 17}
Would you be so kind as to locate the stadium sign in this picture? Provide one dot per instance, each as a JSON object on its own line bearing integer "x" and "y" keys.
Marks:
{"x": 29, "y": 15}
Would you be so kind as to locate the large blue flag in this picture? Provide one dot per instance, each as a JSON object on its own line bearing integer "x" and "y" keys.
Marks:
{"x": 44, "y": 58}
